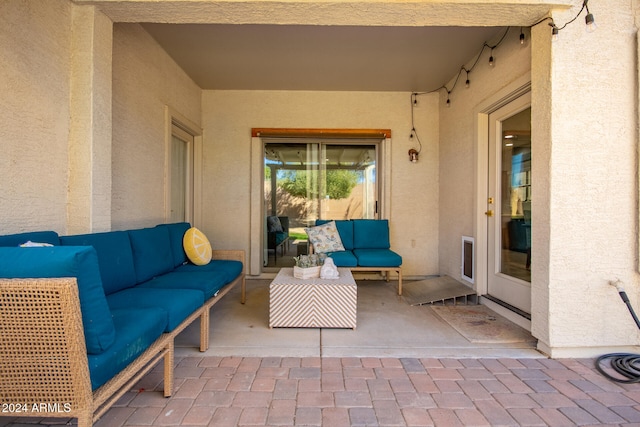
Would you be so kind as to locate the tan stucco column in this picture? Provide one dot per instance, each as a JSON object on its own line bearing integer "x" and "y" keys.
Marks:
{"x": 584, "y": 124}
{"x": 89, "y": 192}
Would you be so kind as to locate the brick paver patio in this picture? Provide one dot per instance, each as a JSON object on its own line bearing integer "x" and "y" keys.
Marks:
{"x": 237, "y": 391}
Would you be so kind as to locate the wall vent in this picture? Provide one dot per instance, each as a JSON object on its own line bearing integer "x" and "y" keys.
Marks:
{"x": 468, "y": 259}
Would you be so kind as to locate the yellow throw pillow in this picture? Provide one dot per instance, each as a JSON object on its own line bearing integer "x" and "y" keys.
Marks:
{"x": 197, "y": 246}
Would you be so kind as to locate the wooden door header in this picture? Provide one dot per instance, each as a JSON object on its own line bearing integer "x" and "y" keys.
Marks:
{"x": 320, "y": 133}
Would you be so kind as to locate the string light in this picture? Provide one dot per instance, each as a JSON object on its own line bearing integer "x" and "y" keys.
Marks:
{"x": 590, "y": 27}
{"x": 589, "y": 21}
{"x": 413, "y": 153}
{"x": 464, "y": 69}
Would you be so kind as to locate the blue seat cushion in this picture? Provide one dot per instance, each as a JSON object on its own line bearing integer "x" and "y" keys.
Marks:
{"x": 151, "y": 252}
{"x": 114, "y": 257}
{"x": 176, "y": 234}
{"x": 345, "y": 230}
{"x": 371, "y": 234}
{"x": 230, "y": 269}
{"x": 377, "y": 258}
{"x": 50, "y": 237}
{"x": 135, "y": 330}
{"x": 343, "y": 259}
{"x": 80, "y": 262}
{"x": 208, "y": 283}
{"x": 281, "y": 237}
{"x": 177, "y": 303}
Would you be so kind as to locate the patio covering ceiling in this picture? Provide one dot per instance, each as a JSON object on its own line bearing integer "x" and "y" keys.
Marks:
{"x": 321, "y": 58}
{"x": 324, "y": 45}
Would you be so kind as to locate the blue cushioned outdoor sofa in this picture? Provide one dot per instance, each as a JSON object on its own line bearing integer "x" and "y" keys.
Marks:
{"x": 367, "y": 247}
{"x": 83, "y": 320}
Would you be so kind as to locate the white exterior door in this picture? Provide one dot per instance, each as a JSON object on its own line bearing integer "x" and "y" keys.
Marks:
{"x": 508, "y": 211}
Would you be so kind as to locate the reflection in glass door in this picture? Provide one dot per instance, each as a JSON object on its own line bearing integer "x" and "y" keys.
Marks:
{"x": 509, "y": 204}
{"x": 306, "y": 180}
{"x": 516, "y": 199}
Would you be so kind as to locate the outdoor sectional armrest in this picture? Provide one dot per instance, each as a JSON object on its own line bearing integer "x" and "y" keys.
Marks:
{"x": 44, "y": 338}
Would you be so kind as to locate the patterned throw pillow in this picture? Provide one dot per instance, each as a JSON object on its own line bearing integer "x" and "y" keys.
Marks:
{"x": 325, "y": 238}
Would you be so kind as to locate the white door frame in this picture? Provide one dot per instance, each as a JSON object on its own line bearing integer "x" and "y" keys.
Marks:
{"x": 256, "y": 254}
{"x": 172, "y": 116}
{"x": 509, "y": 289}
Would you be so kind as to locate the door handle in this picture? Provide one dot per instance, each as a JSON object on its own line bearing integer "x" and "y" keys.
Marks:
{"x": 489, "y": 213}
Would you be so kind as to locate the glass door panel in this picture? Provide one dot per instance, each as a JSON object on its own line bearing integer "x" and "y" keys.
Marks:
{"x": 181, "y": 180}
{"x": 309, "y": 180}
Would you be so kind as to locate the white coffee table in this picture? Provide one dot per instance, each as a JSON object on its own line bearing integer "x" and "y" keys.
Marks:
{"x": 313, "y": 303}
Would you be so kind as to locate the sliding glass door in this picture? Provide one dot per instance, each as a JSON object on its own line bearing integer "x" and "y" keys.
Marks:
{"x": 306, "y": 180}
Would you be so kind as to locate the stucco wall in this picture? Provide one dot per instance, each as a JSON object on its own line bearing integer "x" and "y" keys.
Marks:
{"x": 592, "y": 197}
{"x": 459, "y": 138}
{"x": 228, "y": 117}
{"x": 145, "y": 80}
{"x": 35, "y": 72}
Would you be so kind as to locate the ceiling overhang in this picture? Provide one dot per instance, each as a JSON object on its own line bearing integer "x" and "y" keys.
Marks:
{"x": 326, "y": 45}
{"x": 330, "y": 12}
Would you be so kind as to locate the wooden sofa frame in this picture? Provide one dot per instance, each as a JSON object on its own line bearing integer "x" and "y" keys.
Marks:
{"x": 386, "y": 271}
{"x": 43, "y": 355}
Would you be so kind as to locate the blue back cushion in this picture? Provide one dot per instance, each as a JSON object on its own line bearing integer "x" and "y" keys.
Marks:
{"x": 50, "y": 237}
{"x": 114, "y": 256}
{"x": 345, "y": 230}
{"x": 68, "y": 261}
{"x": 151, "y": 252}
{"x": 371, "y": 234}
{"x": 176, "y": 233}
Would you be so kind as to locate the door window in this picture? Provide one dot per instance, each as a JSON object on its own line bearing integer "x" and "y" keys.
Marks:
{"x": 306, "y": 180}
{"x": 181, "y": 176}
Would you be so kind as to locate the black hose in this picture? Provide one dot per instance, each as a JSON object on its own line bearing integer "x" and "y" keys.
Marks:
{"x": 626, "y": 365}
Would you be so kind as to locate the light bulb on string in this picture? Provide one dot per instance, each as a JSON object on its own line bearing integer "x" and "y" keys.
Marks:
{"x": 491, "y": 61}
{"x": 521, "y": 36}
{"x": 591, "y": 23}
{"x": 554, "y": 33}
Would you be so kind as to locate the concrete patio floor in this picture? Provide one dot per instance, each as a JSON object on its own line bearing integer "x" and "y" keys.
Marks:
{"x": 401, "y": 366}
{"x": 386, "y": 327}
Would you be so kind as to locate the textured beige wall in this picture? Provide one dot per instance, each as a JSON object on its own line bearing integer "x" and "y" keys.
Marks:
{"x": 89, "y": 196}
{"x": 590, "y": 140}
{"x": 35, "y": 71}
{"x": 459, "y": 139}
{"x": 228, "y": 117}
{"x": 145, "y": 80}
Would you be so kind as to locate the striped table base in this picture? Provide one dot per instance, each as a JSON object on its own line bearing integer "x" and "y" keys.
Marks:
{"x": 312, "y": 303}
